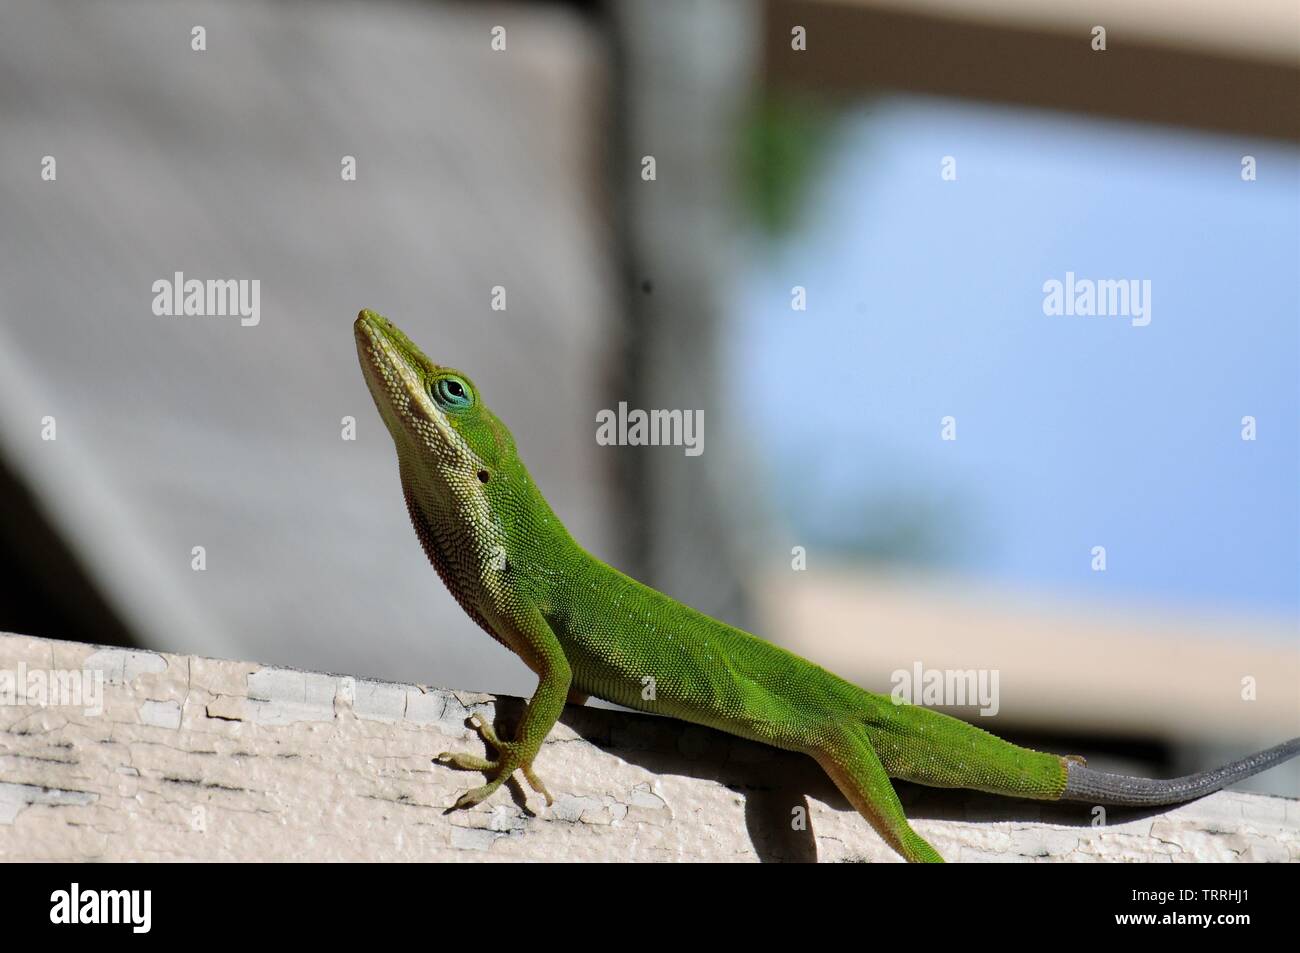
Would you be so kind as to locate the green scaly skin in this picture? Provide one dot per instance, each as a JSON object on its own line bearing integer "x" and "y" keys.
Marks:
{"x": 585, "y": 628}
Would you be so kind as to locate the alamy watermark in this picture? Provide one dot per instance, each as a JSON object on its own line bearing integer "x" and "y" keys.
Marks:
{"x": 131, "y": 907}
{"x": 215, "y": 297}
{"x": 651, "y": 428}
{"x": 1103, "y": 297}
{"x": 947, "y": 687}
{"x": 53, "y": 688}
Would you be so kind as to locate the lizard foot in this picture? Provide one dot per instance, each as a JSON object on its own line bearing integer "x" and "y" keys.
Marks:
{"x": 509, "y": 758}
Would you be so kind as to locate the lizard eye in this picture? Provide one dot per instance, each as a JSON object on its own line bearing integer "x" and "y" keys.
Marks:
{"x": 452, "y": 393}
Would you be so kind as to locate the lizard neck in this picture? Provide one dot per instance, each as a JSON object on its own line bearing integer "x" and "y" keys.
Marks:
{"x": 492, "y": 542}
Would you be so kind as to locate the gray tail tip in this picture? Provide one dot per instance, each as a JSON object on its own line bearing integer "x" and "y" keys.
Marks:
{"x": 1121, "y": 790}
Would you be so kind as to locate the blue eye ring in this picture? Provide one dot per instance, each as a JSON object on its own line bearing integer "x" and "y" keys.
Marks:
{"x": 452, "y": 393}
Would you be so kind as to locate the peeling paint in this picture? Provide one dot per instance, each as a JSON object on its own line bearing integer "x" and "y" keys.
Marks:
{"x": 425, "y": 707}
{"x": 642, "y": 796}
{"x": 15, "y": 798}
{"x": 473, "y": 838}
{"x": 380, "y": 701}
{"x": 161, "y": 714}
{"x": 276, "y": 764}
{"x": 281, "y": 696}
{"x": 124, "y": 666}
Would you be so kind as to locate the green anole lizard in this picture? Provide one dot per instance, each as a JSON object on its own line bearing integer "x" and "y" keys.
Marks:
{"x": 585, "y": 628}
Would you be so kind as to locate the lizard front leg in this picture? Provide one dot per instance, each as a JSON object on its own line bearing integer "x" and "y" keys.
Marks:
{"x": 536, "y": 644}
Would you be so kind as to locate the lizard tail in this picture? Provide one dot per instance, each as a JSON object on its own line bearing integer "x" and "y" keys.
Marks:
{"x": 928, "y": 747}
{"x": 1098, "y": 787}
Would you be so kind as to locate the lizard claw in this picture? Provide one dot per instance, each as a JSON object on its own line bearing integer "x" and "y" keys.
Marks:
{"x": 472, "y": 797}
{"x": 536, "y": 784}
{"x": 465, "y": 762}
{"x": 480, "y": 724}
{"x": 500, "y": 770}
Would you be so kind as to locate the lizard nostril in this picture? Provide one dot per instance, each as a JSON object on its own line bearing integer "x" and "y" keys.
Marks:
{"x": 484, "y": 476}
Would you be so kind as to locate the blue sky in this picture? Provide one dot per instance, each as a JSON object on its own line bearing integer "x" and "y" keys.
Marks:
{"x": 925, "y": 300}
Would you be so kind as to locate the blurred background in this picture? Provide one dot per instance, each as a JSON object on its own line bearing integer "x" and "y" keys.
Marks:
{"x": 918, "y": 170}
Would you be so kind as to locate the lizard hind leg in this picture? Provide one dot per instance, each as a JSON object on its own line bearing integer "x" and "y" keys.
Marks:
{"x": 929, "y": 747}
{"x": 847, "y": 756}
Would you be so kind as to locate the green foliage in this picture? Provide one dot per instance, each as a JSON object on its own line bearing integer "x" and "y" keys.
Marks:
{"x": 784, "y": 145}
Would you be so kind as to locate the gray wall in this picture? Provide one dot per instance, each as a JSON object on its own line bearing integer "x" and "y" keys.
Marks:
{"x": 475, "y": 169}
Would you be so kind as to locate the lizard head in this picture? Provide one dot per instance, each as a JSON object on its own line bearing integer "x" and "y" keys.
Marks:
{"x": 435, "y": 415}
